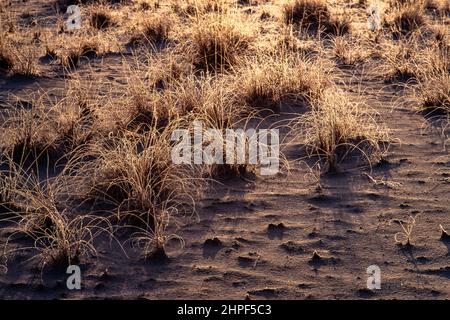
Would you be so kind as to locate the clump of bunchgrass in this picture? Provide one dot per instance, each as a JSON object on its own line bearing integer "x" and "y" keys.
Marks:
{"x": 433, "y": 90}
{"x": 101, "y": 18}
{"x": 434, "y": 95}
{"x": 269, "y": 81}
{"x": 346, "y": 51}
{"x": 154, "y": 30}
{"x": 198, "y": 8}
{"x": 406, "y": 20}
{"x": 147, "y": 108}
{"x": 315, "y": 15}
{"x": 29, "y": 140}
{"x": 402, "y": 62}
{"x": 306, "y": 13}
{"x": 135, "y": 172}
{"x": 337, "y": 129}
{"x": 215, "y": 43}
{"x": 15, "y": 62}
{"x": 42, "y": 131}
{"x": 59, "y": 237}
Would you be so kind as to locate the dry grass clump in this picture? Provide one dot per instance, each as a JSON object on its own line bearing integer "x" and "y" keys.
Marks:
{"x": 75, "y": 54}
{"x": 211, "y": 101}
{"x": 306, "y": 13}
{"x": 434, "y": 95}
{"x": 164, "y": 69}
{"x": 434, "y": 60}
{"x": 87, "y": 48}
{"x": 145, "y": 6}
{"x": 72, "y": 58}
{"x": 288, "y": 42}
{"x": 339, "y": 25}
{"x": 147, "y": 108}
{"x": 90, "y": 48}
{"x": 219, "y": 113}
{"x": 337, "y": 128}
{"x": 157, "y": 98}
{"x": 347, "y": 51}
{"x": 151, "y": 241}
{"x": 155, "y": 30}
{"x": 433, "y": 70}
{"x": 189, "y": 95}
{"x": 135, "y": 172}
{"x": 271, "y": 80}
{"x": 8, "y": 183}
{"x": 157, "y": 93}
{"x": 59, "y": 238}
{"x": 197, "y": 8}
{"x": 406, "y": 20}
{"x": 28, "y": 140}
{"x": 17, "y": 62}
{"x": 101, "y": 18}
{"x": 215, "y": 43}
{"x": 26, "y": 64}
{"x": 73, "y": 119}
{"x": 44, "y": 132}
{"x": 402, "y": 62}
{"x": 314, "y": 15}
{"x": 50, "y": 53}
{"x": 411, "y": 61}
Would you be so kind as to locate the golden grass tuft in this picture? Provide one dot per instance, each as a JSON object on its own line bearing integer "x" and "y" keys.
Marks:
{"x": 406, "y": 20}
{"x": 337, "y": 128}
{"x": 216, "y": 42}
{"x": 347, "y": 51}
{"x": 27, "y": 127}
{"x": 434, "y": 95}
{"x": 48, "y": 131}
{"x": 101, "y": 18}
{"x": 147, "y": 108}
{"x": 135, "y": 172}
{"x": 269, "y": 81}
{"x": 154, "y": 30}
{"x": 441, "y": 36}
{"x": 59, "y": 238}
{"x": 84, "y": 48}
{"x": 197, "y": 8}
{"x": 401, "y": 62}
{"x": 315, "y": 15}
{"x": 15, "y": 62}
{"x": 306, "y": 13}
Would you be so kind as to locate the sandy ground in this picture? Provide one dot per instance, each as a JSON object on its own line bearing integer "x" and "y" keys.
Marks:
{"x": 257, "y": 238}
